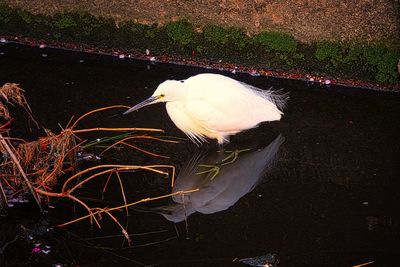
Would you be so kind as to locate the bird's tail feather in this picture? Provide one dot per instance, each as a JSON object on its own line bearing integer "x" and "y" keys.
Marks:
{"x": 278, "y": 97}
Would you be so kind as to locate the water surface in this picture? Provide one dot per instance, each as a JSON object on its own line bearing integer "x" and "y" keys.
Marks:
{"x": 319, "y": 188}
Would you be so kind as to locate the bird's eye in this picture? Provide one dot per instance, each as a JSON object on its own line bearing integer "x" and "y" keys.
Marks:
{"x": 162, "y": 95}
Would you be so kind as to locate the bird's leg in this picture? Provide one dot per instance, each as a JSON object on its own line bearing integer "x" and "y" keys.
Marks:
{"x": 221, "y": 141}
{"x": 219, "y": 155}
{"x": 213, "y": 169}
{"x": 233, "y": 156}
{"x": 220, "y": 148}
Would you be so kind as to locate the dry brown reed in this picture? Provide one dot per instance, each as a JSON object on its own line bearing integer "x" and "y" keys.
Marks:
{"x": 51, "y": 160}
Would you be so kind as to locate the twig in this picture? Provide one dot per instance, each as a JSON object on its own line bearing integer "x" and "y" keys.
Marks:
{"x": 107, "y": 181}
{"x": 3, "y": 197}
{"x": 123, "y": 141}
{"x": 6, "y": 124}
{"x": 122, "y": 190}
{"x": 116, "y": 130}
{"x": 123, "y": 231}
{"x": 61, "y": 160}
{"x": 94, "y": 111}
{"x": 131, "y": 204}
{"x": 22, "y": 172}
{"x": 119, "y": 167}
{"x": 364, "y": 264}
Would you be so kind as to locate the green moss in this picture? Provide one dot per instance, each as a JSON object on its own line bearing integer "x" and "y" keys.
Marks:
{"x": 231, "y": 37}
{"x": 276, "y": 41}
{"x": 83, "y": 27}
{"x": 139, "y": 36}
{"x": 180, "y": 32}
{"x": 272, "y": 50}
{"x": 65, "y": 21}
{"x": 383, "y": 60}
{"x": 5, "y": 14}
{"x": 329, "y": 52}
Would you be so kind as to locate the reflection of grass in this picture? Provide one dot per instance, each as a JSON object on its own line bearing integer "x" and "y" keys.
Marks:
{"x": 214, "y": 170}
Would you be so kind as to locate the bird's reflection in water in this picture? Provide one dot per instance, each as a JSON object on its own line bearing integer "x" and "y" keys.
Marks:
{"x": 221, "y": 179}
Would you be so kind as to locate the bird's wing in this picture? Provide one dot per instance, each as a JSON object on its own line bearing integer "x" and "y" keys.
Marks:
{"x": 214, "y": 118}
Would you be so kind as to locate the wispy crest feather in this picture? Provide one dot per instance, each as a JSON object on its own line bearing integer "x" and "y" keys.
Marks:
{"x": 278, "y": 97}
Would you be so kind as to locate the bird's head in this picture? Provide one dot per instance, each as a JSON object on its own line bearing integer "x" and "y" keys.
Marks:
{"x": 167, "y": 91}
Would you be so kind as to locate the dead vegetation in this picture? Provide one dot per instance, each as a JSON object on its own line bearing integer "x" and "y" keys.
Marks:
{"x": 39, "y": 165}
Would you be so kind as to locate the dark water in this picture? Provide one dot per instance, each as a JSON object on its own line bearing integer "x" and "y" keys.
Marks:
{"x": 319, "y": 188}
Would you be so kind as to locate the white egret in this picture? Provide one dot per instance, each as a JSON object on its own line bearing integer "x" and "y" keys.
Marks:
{"x": 215, "y": 106}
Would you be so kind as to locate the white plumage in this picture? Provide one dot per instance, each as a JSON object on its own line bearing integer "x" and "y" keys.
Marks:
{"x": 215, "y": 106}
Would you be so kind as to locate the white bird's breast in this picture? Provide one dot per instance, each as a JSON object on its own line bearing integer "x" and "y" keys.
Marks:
{"x": 180, "y": 117}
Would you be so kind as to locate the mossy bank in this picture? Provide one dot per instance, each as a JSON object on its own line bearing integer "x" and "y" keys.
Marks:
{"x": 374, "y": 62}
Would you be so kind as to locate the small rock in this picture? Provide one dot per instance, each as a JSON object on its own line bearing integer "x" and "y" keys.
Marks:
{"x": 46, "y": 251}
{"x": 36, "y": 250}
{"x": 254, "y": 73}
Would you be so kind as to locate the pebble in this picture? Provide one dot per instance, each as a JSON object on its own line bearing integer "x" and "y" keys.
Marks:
{"x": 46, "y": 251}
{"x": 36, "y": 250}
{"x": 3, "y": 40}
{"x": 254, "y": 73}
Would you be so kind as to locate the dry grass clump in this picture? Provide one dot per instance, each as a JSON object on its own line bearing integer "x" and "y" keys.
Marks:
{"x": 39, "y": 165}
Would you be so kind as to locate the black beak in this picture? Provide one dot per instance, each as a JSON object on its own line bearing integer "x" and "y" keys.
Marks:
{"x": 148, "y": 101}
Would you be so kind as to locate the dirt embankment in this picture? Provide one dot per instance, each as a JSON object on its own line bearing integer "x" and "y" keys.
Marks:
{"x": 306, "y": 20}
